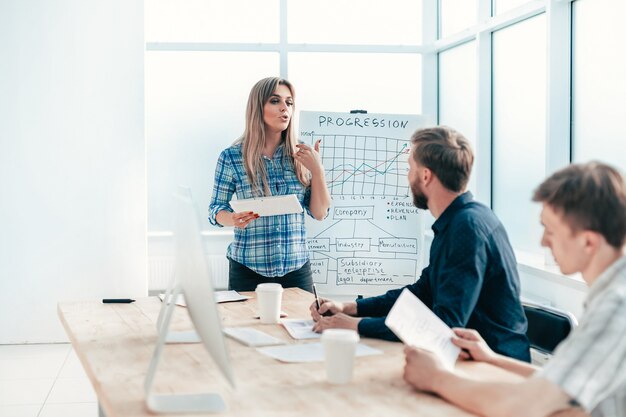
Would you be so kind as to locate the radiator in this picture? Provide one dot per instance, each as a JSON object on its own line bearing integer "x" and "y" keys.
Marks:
{"x": 160, "y": 269}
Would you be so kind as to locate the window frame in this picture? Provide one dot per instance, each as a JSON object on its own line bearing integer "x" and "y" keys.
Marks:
{"x": 283, "y": 47}
{"x": 559, "y": 84}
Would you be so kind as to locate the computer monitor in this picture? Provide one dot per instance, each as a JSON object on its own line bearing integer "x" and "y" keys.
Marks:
{"x": 194, "y": 281}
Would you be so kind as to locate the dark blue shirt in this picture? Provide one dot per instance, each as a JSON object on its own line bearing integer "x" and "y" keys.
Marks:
{"x": 471, "y": 281}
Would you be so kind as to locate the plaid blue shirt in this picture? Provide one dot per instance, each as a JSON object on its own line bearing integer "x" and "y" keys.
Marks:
{"x": 272, "y": 246}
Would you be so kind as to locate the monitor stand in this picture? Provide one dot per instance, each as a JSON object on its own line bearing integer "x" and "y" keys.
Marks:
{"x": 175, "y": 403}
{"x": 186, "y": 403}
{"x": 179, "y": 336}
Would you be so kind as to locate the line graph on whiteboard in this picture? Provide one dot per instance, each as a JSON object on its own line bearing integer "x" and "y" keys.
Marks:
{"x": 371, "y": 240}
{"x": 365, "y": 165}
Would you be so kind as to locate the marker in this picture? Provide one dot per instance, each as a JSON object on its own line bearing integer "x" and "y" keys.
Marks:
{"x": 117, "y": 300}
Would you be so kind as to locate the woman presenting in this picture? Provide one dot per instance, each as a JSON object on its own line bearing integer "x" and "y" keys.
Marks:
{"x": 268, "y": 160}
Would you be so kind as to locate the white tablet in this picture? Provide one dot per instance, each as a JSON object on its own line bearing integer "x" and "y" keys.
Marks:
{"x": 269, "y": 206}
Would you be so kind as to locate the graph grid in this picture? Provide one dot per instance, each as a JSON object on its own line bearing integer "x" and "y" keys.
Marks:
{"x": 365, "y": 165}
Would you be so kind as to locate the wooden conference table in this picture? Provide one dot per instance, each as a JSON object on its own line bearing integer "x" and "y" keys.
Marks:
{"x": 115, "y": 343}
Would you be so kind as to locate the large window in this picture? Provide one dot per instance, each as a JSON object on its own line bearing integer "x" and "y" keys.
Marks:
{"x": 342, "y": 82}
{"x": 203, "y": 56}
{"x": 363, "y": 22}
{"x": 550, "y": 89}
{"x": 192, "y": 112}
{"x": 599, "y": 82}
{"x": 492, "y": 69}
{"x": 212, "y": 21}
{"x": 519, "y": 140}
{"x": 457, "y": 95}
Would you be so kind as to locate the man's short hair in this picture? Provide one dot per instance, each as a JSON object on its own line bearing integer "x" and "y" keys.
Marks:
{"x": 589, "y": 196}
{"x": 446, "y": 153}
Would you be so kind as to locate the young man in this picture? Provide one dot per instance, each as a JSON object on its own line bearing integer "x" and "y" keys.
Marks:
{"x": 471, "y": 279}
{"x": 584, "y": 219}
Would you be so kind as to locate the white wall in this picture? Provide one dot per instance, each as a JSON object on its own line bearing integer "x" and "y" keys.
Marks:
{"x": 72, "y": 159}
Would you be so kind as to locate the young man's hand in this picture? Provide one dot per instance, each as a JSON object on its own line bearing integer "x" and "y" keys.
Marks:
{"x": 473, "y": 346}
{"x": 422, "y": 368}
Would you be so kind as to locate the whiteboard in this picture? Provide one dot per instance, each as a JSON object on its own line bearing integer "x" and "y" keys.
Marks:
{"x": 372, "y": 239}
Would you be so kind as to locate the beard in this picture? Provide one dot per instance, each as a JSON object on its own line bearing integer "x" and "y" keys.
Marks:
{"x": 419, "y": 198}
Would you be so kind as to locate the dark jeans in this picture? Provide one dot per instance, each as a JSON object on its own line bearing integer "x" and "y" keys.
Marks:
{"x": 242, "y": 278}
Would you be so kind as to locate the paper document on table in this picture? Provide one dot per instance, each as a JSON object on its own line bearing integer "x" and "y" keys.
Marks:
{"x": 309, "y": 352}
{"x": 220, "y": 297}
{"x": 228, "y": 296}
{"x": 250, "y": 336}
{"x": 269, "y": 206}
{"x": 416, "y": 325}
{"x": 180, "y": 300}
{"x": 300, "y": 329}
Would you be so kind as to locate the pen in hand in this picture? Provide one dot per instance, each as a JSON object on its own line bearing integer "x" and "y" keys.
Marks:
{"x": 317, "y": 302}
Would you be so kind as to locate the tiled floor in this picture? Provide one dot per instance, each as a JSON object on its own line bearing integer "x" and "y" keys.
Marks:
{"x": 44, "y": 380}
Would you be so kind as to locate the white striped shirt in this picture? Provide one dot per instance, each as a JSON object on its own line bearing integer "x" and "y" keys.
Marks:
{"x": 590, "y": 365}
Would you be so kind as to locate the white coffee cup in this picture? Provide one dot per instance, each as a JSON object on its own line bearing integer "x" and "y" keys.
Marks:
{"x": 269, "y": 297}
{"x": 339, "y": 351}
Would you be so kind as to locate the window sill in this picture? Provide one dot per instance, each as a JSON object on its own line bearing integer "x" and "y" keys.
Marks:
{"x": 535, "y": 264}
{"x": 226, "y": 231}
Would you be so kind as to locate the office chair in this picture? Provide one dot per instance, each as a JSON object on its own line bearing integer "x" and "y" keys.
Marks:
{"x": 547, "y": 327}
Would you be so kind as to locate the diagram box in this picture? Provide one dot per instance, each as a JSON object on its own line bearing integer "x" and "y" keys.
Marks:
{"x": 376, "y": 271}
{"x": 353, "y": 213}
{"x": 397, "y": 245}
{"x": 353, "y": 244}
{"x": 319, "y": 244}
{"x": 319, "y": 270}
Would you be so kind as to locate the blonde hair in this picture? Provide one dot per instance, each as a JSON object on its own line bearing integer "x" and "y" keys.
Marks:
{"x": 253, "y": 138}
